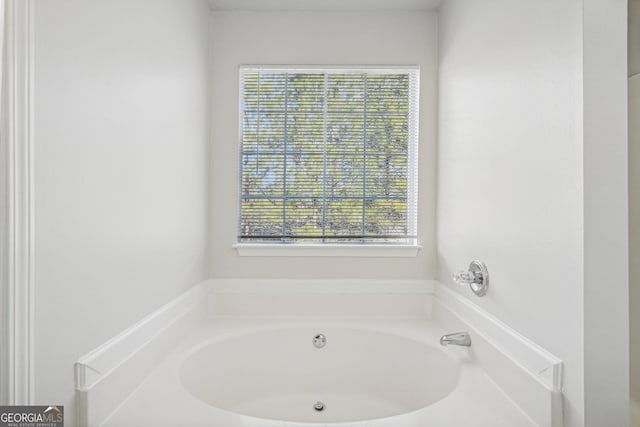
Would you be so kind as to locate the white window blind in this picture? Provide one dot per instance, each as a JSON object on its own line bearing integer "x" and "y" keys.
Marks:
{"x": 328, "y": 155}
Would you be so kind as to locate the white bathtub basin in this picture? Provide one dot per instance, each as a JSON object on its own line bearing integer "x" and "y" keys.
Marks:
{"x": 280, "y": 375}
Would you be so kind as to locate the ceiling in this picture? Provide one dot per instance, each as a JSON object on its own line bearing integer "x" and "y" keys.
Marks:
{"x": 323, "y": 4}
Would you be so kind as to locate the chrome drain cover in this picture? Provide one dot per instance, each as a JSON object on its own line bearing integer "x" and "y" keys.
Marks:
{"x": 319, "y": 406}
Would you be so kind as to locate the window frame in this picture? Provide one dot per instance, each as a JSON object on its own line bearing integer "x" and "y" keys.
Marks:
{"x": 392, "y": 249}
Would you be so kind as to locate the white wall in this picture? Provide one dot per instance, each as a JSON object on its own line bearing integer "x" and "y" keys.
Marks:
{"x": 634, "y": 200}
{"x": 634, "y": 233}
{"x": 510, "y": 167}
{"x": 533, "y": 180}
{"x": 312, "y": 38}
{"x": 634, "y": 37}
{"x": 605, "y": 187}
{"x": 121, "y": 171}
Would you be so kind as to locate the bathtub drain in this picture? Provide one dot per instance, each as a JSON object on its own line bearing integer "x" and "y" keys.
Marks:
{"x": 319, "y": 406}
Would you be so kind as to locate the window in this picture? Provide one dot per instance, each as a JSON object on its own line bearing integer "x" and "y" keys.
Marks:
{"x": 328, "y": 155}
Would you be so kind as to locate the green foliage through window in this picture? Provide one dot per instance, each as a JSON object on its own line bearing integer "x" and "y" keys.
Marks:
{"x": 328, "y": 156}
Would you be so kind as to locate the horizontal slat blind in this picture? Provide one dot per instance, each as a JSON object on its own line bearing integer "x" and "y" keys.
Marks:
{"x": 328, "y": 156}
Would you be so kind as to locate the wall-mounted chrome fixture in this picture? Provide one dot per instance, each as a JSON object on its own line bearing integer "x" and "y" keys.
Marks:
{"x": 477, "y": 277}
{"x": 458, "y": 338}
{"x": 319, "y": 341}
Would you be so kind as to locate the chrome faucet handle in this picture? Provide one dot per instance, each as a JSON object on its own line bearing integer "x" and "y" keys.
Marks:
{"x": 477, "y": 277}
{"x": 464, "y": 277}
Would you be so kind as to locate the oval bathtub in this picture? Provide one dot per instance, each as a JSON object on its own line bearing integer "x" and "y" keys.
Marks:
{"x": 358, "y": 375}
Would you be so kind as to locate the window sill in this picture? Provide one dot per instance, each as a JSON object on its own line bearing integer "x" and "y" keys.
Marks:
{"x": 326, "y": 250}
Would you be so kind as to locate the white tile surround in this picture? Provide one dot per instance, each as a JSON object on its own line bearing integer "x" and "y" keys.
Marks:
{"x": 119, "y": 382}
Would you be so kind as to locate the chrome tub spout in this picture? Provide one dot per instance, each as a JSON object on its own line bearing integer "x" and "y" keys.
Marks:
{"x": 458, "y": 338}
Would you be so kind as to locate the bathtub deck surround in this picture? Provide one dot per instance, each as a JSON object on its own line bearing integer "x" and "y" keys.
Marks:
{"x": 261, "y": 332}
